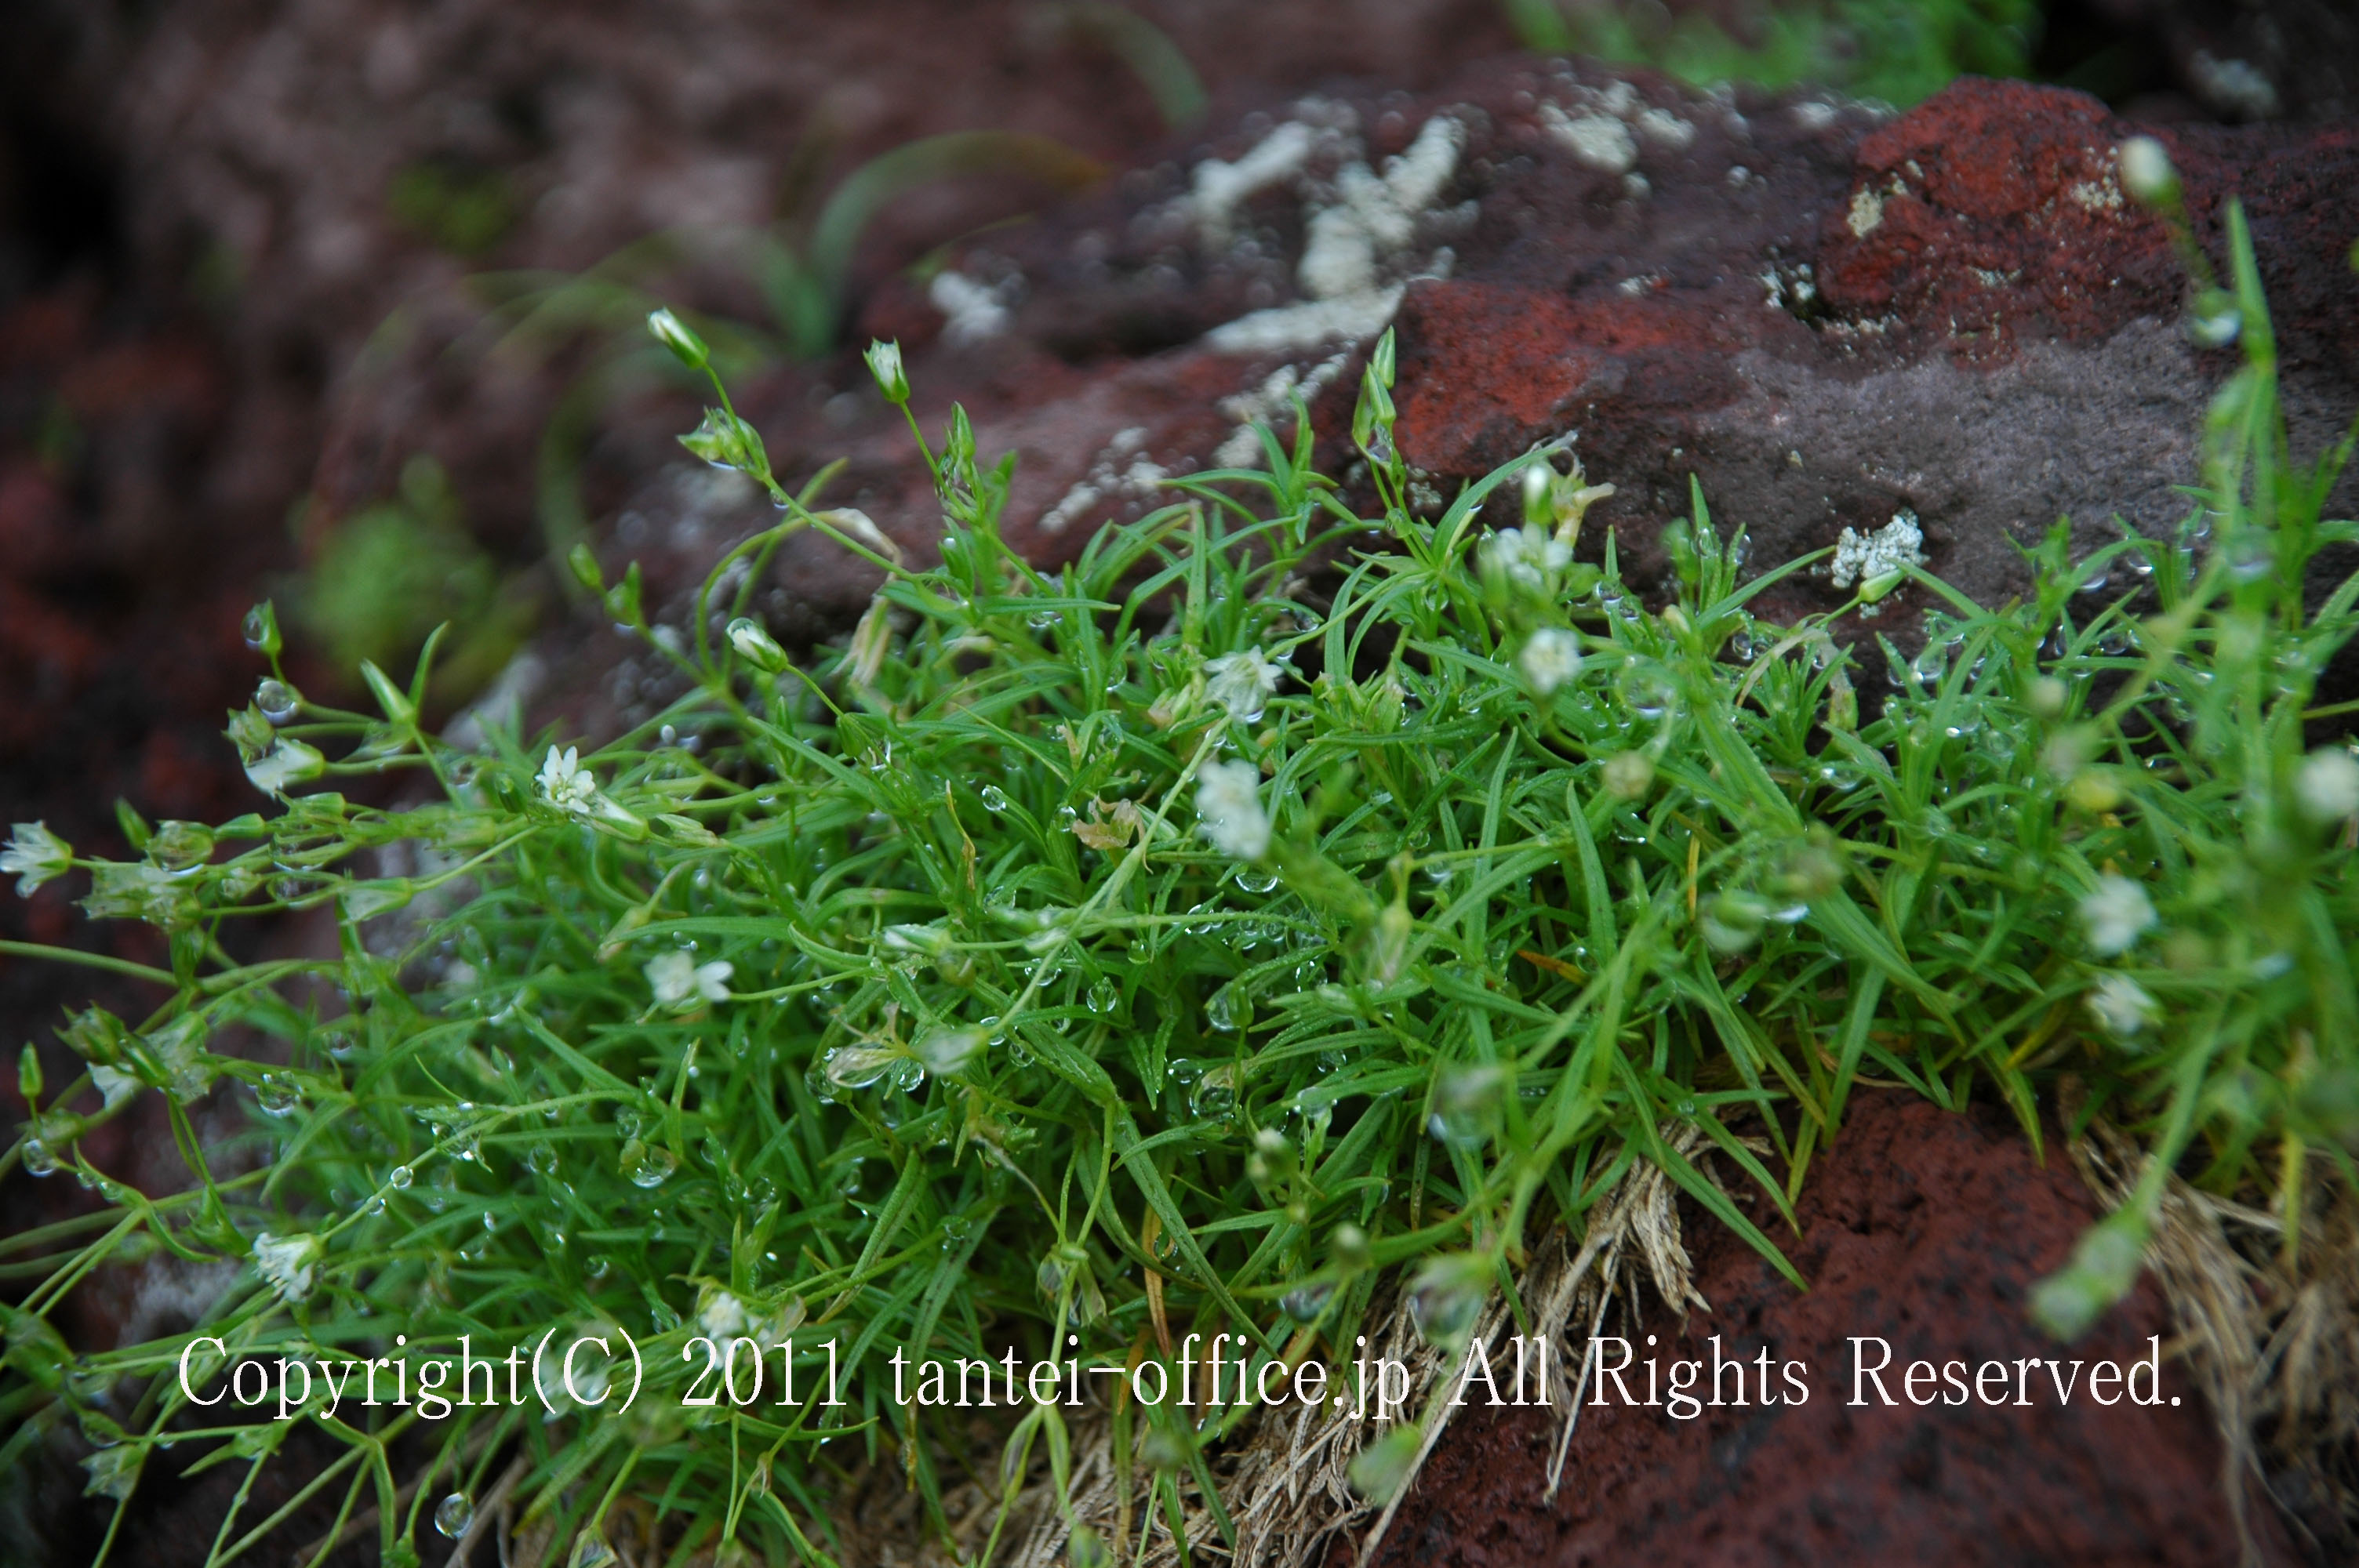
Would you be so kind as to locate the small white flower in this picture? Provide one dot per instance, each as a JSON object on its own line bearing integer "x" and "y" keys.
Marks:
{"x": 722, "y": 1316}
{"x": 288, "y": 761}
{"x": 677, "y": 976}
{"x": 2121, "y": 1005}
{"x": 2327, "y": 785}
{"x": 1242, "y": 683}
{"x": 34, "y": 856}
{"x": 1550, "y": 657}
{"x": 2146, "y": 173}
{"x": 2116, "y": 914}
{"x": 286, "y": 1263}
{"x": 1227, "y": 798}
{"x": 566, "y": 782}
{"x": 1526, "y": 556}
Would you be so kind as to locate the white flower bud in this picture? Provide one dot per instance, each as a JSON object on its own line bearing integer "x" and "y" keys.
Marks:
{"x": 1629, "y": 775}
{"x": 2116, "y": 914}
{"x": 674, "y": 334}
{"x": 756, "y": 647}
{"x": 884, "y": 364}
{"x": 2146, "y": 173}
{"x": 1539, "y": 503}
{"x": 1228, "y": 800}
{"x": 2327, "y": 785}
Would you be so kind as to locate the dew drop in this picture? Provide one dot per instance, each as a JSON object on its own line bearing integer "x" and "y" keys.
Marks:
{"x": 277, "y": 699}
{"x": 453, "y": 1514}
{"x": 1215, "y": 1093}
{"x": 993, "y": 798}
{"x": 648, "y": 1165}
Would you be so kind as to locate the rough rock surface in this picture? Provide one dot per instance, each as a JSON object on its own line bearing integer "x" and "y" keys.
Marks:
{"x": 1920, "y": 1228}
{"x": 1820, "y": 314}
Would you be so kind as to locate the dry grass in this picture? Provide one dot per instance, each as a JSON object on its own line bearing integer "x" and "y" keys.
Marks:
{"x": 2271, "y": 1333}
{"x": 1286, "y": 1481}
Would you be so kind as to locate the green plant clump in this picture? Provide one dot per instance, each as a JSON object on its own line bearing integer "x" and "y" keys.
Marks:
{"x": 1899, "y": 52}
{"x": 1273, "y": 898}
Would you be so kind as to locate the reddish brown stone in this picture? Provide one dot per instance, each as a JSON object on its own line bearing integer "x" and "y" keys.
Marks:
{"x": 1997, "y": 206}
{"x": 1920, "y": 1228}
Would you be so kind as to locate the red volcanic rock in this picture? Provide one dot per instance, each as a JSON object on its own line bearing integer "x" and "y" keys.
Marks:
{"x": 1822, "y": 313}
{"x": 1997, "y": 206}
{"x": 1956, "y": 311}
{"x": 1921, "y": 1228}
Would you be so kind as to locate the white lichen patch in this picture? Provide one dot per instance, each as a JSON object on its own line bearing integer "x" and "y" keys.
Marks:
{"x": 1269, "y": 400}
{"x": 1866, "y": 214}
{"x": 1596, "y": 141}
{"x": 1662, "y": 126}
{"x": 2102, "y": 192}
{"x": 1790, "y": 288}
{"x": 973, "y": 311}
{"x": 1860, "y": 557}
{"x": 1219, "y": 188}
{"x": 2235, "y": 86}
{"x": 1812, "y": 114}
{"x": 1362, "y": 229}
{"x": 1123, "y": 472}
{"x": 1644, "y": 284}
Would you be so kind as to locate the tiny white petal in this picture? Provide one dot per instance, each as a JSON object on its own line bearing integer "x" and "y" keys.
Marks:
{"x": 2121, "y": 1004}
{"x": 1228, "y": 800}
{"x": 288, "y": 761}
{"x": 672, "y": 976}
{"x": 34, "y": 855}
{"x": 113, "y": 1085}
{"x": 2327, "y": 785}
{"x": 2116, "y": 914}
{"x": 722, "y": 1316}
